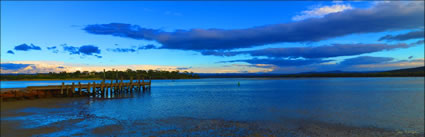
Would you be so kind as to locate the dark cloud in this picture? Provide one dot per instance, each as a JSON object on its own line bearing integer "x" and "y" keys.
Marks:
{"x": 25, "y": 47}
{"x": 364, "y": 60}
{"x": 222, "y": 52}
{"x": 125, "y": 50}
{"x": 98, "y": 56}
{"x": 122, "y": 30}
{"x": 149, "y": 46}
{"x": 420, "y": 42}
{"x": 326, "y": 51}
{"x": 381, "y": 17}
{"x": 60, "y": 67}
{"x": 13, "y": 66}
{"x": 254, "y": 65}
{"x": 71, "y": 49}
{"x": 54, "y": 49}
{"x": 89, "y": 50}
{"x": 83, "y": 50}
{"x": 10, "y": 52}
{"x": 51, "y": 48}
{"x": 410, "y": 57}
{"x": 407, "y": 36}
{"x": 284, "y": 63}
{"x": 281, "y": 62}
{"x": 134, "y": 49}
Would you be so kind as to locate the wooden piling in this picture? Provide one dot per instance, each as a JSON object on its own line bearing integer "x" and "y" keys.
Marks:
{"x": 73, "y": 89}
{"x": 67, "y": 90}
{"x": 138, "y": 83}
{"x": 112, "y": 86}
{"x": 88, "y": 89}
{"x": 116, "y": 76}
{"x": 131, "y": 84}
{"x": 79, "y": 88}
{"x": 102, "y": 89}
{"x": 128, "y": 87}
{"x": 62, "y": 86}
{"x": 121, "y": 84}
{"x": 143, "y": 81}
{"x": 106, "y": 90}
{"x": 94, "y": 89}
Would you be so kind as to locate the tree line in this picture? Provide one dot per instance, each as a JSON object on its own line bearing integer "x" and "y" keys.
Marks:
{"x": 111, "y": 74}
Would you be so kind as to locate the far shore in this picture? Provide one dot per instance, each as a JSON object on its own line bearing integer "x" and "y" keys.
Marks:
{"x": 232, "y": 77}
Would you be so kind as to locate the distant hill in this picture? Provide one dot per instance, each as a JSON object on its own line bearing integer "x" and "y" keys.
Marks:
{"x": 409, "y": 72}
{"x": 337, "y": 71}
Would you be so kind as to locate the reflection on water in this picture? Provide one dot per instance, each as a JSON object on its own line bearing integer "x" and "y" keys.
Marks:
{"x": 390, "y": 103}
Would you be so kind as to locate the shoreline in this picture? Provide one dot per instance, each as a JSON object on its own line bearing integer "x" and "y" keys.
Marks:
{"x": 236, "y": 77}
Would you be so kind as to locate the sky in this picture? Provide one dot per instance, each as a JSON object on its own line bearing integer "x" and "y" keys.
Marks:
{"x": 211, "y": 37}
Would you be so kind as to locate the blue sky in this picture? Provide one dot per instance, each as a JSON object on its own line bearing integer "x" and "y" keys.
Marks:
{"x": 80, "y": 35}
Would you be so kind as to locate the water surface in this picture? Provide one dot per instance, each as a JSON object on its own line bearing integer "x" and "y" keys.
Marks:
{"x": 387, "y": 103}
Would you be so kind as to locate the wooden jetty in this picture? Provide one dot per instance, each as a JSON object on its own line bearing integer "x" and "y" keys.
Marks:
{"x": 90, "y": 89}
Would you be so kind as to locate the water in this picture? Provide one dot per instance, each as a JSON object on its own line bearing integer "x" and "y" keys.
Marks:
{"x": 389, "y": 103}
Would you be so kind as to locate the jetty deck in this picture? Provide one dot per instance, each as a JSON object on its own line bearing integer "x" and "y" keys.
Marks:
{"x": 90, "y": 89}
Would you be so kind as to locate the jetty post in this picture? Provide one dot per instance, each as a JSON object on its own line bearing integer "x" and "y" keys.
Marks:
{"x": 150, "y": 80}
{"x": 143, "y": 81}
{"x": 102, "y": 89}
{"x": 116, "y": 76}
{"x": 73, "y": 89}
{"x": 131, "y": 84}
{"x": 79, "y": 88}
{"x": 67, "y": 90}
{"x": 111, "y": 87}
{"x": 94, "y": 89}
{"x": 88, "y": 89}
{"x": 138, "y": 81}
{"x": 120, "y": 85}
{"x": 62, "y": 86}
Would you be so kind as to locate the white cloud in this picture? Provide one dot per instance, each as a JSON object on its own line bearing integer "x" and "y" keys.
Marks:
{"x": 321, "y": 11}
{"x": 54, "y": 66}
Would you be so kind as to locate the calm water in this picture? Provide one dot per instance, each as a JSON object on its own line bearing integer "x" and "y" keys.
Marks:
{"x": 391, "y": 103}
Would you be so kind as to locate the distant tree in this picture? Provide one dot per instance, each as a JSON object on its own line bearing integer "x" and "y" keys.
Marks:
{"x": 155, "y": 74}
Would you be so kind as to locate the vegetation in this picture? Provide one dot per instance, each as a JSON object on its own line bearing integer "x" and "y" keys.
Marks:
{"x": 154, "y": 74}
